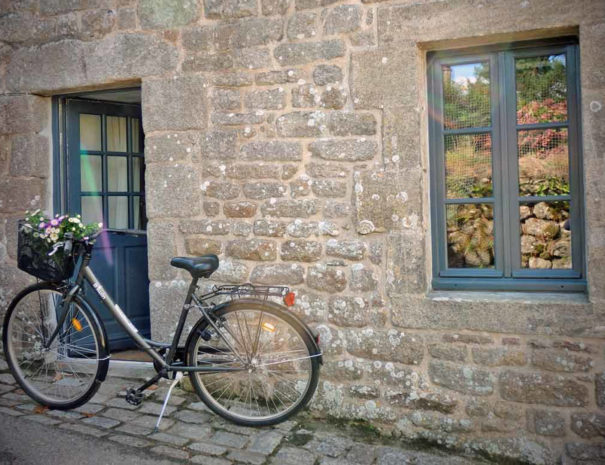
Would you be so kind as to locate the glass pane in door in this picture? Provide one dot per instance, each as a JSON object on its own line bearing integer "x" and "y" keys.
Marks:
{"x": 116, "y": 134}
{"x": 91, "y": 173}
{"x": 466, "y": 95}
{"x": 117, "y": 212}
{"x": 90, "y": 132}
{"x": 92, "y": 209}
{"x": 117, "y": 174}
{"x": 470, "y": 235}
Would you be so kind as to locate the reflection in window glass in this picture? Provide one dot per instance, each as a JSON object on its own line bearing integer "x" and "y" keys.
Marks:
{"x": 543, "y": 162}
{"x": 116, "y": 134}
{"x": 468, "y": 166}
{"x": 117, "y": 174}
{"x": 117, "y": 212}
{"x": 91, "y": 173}
{"x": 545, "y": 235}
{"x": 90, "y": 132}
{"x": 137, "y": 173}
{"x": 466, "y": 95}
{"x": 541, "y": 89}
{"x": 135, "y": 135}
{"x": 470, "y": 235}
{"x": 92, "y": 209}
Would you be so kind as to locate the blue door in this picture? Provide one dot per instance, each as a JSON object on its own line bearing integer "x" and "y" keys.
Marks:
{"x": 105, "y": 183}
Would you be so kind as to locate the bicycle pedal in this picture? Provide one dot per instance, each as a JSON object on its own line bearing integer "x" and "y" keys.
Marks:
{"x": 134, "y": 397}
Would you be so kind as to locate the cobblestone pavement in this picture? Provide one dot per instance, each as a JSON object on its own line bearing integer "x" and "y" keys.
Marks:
{"x": 190, "y": 432}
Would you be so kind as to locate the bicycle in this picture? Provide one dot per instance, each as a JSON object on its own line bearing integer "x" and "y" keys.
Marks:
{"x": 249, "y": 359}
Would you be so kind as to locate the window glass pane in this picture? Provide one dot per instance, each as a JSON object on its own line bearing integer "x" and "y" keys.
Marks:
{"x": 139, "y": 212}
{"x": 116, "y": 134}
{"x": 545, "y": 235}
{"x": 90, "y": 132}
{"x": 92, "y": 209}
{"x": 117, "y": 174}
{"x": 468, "y": 166}
{"x": 117, "y": 212}
{"x": 543, "y": 162}
{"x": 466, "y": 96}
{"x": 135, "y": 134}
{"x": 137, "y": 173}
{"x": 470, "y": 235}
{"x": 91, "y": 173}
{"x": 541, "y": 89}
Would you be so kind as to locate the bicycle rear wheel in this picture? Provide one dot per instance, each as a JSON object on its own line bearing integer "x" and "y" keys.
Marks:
{"x": 275, "y": 363}
{"x": 67, "y": 373}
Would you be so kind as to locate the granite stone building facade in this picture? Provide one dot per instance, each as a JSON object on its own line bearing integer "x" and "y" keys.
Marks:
{"x": 293, "y": 138}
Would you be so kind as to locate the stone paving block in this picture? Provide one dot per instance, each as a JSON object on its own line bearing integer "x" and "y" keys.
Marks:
{"x": 79, "y": 428}
{"x": 169, "y": 438}
{"x": 89, "y": 409}
{"x": 29, "y": 407}
{"x": 293, "y": 456}
{"x": 67, "y": 414}
{"x": 120, "y": 414}
{"x": 170, "y": 452}
{"x": 209, "y": 449}
{"x": 246, "y": 457}
{"x": 191, "y": 431}
{"x": 199, "y": 407}
{"x": 101, "y": 422}
{"x": 192, "y": 417}
{"x": 266, "y": 442}
{"x": 6, "y": 388}
{"x": 121, "y": 403}
{"x": 155, "y": 409}
{"x": 42, "y": 419}
{"x": 334, "y": 446}
{"x": 210, "y": 460}
{"x": 7, "y": 378}
{"x": 223, "y": 424}
{"x": 361, "y": 454}
{"x": 10, "y": 411}
{"x": 130, "y": 428}
{"x": 129, "y": 440}
{"x": 225, "y": 438}
{"x": 149, "y": 421}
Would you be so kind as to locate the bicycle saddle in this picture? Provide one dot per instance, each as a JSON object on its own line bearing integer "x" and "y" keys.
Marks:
{"x": 199, "y": 267}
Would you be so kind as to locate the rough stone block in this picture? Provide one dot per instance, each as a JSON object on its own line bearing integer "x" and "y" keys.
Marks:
{"x": 275, "y": 7}
{"x": 600, "y": 389}
{"x": 30, "y": 156}
{"x": 342, "y": 19}
{"x": 348, "y": 311}
{"x": 302, "y": 25}
{"x": 253, "y": 171}
{"x": 300, "y": 124}
{"x": 305, "y": 96}
{"x": 171, "y": 147}
{"x": 388, "y": 200}
{"x": 303, "y": 208}
{"x": 334, "y": 97}
{"x": 172, "y": 191}
{"x": 231, "y": 271}
{"x": 17, "y": 196}
{"x": 200, "y": 38}
{"x": 363, "y": 279}
{"x": 327, "y": 170}
{"x": 499, "y": 356}
{"x": 301, "y": 251}
{"x": 273, "y": 99}
{"x": 222, "y": 190}
{"x": 224, "y": 9}
{"x": 546, "y": 423}
{"x": 252, "y": 249}
{"x": 326, "y": 278}
{"x": 448, "y": 352}
{"x": 248, "y": 32}
{"x": 542, "y": 388}
{"x": 252, "y": 58}
{"x": 341, "y": 123}
{"x": 564, "y": 361}
{"x": 162, "y": 247}
{"x": 202, "y": 246}
{"x": 329, "y": 188}
{"x": 349, "y": 249}
{"x": 279, "y": 273}
{"x": 269, "y": 228}
{"x": 207, "y": 62}
{"x": 588, "y": 425}
{"x": 242, "y": 209}
{"x": 264, "y": 190}
{"x": 226, "y": 99}
{"x": 327, "y": 74}
{"x": 271, "y": 151}
{"x": 584, "y": 451}
{"x": 174, "y": 104}
{"x": 307, "y": 52}
{"x": 405, "y": 260}
{"x": 300, "y": 187}
{"x": 462, "y": 378}
{"x": 390, "y": 345}
{"x": 23, "y": 113}
{"x": 333, "y": 209}
{"x": 349, "y": 150}
{"x": 218, "y": 145}
{"x": 97, "y": 23}
{"x": 269, "y": 78}
{"x": 232, "y": 79}
{"x": 211, "y": 208}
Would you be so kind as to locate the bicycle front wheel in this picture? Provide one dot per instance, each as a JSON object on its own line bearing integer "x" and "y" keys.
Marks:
{"x": 66, "y": 373}
{"x": 270, "y": 364}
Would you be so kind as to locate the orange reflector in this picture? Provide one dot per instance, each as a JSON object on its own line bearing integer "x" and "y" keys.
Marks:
{"x": 76, "y": 324}
{"x": 289, "y": 299}
{"x": 268, "y": 327}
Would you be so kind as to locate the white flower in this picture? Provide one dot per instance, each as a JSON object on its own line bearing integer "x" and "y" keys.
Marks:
{"x": 54, "y": 237}
{"x": 100, "y": 225}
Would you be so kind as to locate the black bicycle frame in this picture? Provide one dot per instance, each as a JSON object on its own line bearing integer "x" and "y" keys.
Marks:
{"x": 83, "y": 272}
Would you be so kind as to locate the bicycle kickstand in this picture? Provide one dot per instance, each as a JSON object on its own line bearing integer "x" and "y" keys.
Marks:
{"x": 177, "y": 378}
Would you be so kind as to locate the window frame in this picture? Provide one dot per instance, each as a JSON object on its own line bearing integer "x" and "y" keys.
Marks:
{"x": 507, "y": 273}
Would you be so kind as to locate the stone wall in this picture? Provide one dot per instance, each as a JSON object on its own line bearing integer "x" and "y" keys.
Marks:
{"x": 290, "y": 138}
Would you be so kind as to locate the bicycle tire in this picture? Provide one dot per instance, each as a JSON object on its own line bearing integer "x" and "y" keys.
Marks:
{"x": 269, "y": 308}
{"x": 97, "y": 330}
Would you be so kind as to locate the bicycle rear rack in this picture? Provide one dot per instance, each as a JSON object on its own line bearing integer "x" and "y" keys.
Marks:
{"x": 237, "y": 291}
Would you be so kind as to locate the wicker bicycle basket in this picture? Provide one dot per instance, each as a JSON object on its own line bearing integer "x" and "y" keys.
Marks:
{"x": 33, "y": 257}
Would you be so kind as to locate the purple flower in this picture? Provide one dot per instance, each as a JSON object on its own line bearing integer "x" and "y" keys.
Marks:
{"x": 54, "y": 222}
{"x": 85, "y": 238}
{"x": 42, "y": 225}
